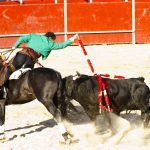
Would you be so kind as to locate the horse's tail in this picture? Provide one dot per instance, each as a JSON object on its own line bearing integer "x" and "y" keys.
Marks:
{"x": 60, "y": 96}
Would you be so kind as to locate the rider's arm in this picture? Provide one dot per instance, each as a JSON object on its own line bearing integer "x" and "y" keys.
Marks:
{"x": 22, "y": 39}
{"x": 62, "y": 45}
{"x": 56, "y": 46}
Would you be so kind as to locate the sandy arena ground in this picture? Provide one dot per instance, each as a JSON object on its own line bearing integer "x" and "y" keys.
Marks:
{"x": 31, "y": 127}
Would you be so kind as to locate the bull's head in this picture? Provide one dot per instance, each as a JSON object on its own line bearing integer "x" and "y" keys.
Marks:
{"x": 69, "y": 84}
{"x": 142, "y": 79}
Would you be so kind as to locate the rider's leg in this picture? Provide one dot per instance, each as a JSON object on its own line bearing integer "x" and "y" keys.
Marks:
{"x": 29, "y": 63}
{"x": 16, "y": 63}
{"x": 20, "y": 60}
{"x": 2, "y": 118}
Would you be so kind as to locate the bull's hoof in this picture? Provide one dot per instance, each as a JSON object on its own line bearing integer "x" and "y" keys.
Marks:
{"x": 104, "y": 133}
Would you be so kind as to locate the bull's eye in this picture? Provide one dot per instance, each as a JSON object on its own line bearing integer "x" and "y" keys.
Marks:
{"x": 110, "y": 91}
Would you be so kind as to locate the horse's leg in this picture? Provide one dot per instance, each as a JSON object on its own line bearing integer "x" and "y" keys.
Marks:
{"x": 2, "y": 119}
{"x": 58, "y": 118}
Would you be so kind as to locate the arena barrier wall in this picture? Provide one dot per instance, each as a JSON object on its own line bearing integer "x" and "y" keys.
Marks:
{"x": 42, "y": 16}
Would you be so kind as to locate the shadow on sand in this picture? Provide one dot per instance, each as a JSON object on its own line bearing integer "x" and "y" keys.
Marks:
{"x": 40, "y": 126}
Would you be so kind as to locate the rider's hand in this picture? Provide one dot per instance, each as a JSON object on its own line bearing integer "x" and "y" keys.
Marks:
{"x": 13, "y": 48}
{"x": 74, "y": 37}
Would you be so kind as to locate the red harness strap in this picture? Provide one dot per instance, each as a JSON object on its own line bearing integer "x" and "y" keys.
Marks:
{"x": 102, "y": 94}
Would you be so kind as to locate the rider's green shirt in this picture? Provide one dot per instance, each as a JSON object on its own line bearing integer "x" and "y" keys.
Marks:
{"x": 41, "y": 44}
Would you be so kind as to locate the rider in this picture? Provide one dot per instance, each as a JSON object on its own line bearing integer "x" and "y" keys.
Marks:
{"x": 37, "y": 46}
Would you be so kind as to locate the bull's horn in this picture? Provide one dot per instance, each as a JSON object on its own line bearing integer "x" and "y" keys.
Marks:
{"x": 78, "y": 74}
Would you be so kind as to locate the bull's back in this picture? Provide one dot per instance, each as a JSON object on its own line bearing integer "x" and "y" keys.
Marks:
{"x": 128, "y": 93}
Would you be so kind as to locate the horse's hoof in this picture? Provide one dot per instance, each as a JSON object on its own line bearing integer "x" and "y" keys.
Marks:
{"x": 75, "y": 141}
{"x": 70, "y": 134}
{"x": 2, "y": 140}
{"x": 68, "y": 141}
{"x": 71, "y": 141}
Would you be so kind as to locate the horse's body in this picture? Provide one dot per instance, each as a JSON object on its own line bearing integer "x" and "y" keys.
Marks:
{"x": 43, "y": 84}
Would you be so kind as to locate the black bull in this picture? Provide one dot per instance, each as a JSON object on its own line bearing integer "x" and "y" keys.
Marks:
{"x": 132, "y": 94}
{"x": 43, "y": 84}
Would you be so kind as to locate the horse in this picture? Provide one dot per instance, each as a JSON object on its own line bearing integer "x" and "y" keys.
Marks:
{"x": 43, "y": 84}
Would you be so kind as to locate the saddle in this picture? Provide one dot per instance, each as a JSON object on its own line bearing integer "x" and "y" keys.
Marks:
{"x": 31, "y": 53}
